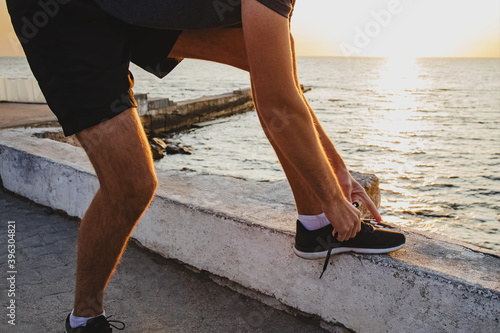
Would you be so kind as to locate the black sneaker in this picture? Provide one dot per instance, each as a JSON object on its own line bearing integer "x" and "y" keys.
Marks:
{"x": 321, "y": 243}
{"x": 99, "y": 324}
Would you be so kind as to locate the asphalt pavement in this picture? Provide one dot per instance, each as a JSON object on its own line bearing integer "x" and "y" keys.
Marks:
{"x": 148, "y": 293}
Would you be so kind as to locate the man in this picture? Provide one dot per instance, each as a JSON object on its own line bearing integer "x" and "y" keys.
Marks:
{"x": 79, "y": 51}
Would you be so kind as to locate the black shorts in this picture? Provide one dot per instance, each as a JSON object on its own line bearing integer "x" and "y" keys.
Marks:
{"x": 186, "y": 14}
{"x": 80, "y": 56}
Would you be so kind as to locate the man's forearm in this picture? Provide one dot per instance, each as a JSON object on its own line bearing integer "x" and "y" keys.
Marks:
{"x": 292, "y": 130}
{"x": 331, "y": 152}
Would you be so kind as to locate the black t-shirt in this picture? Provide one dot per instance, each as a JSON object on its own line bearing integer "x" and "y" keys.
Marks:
{"x": 185, "y": 14}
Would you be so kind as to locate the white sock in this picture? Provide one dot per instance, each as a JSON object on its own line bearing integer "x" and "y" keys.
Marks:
{"x": 75, "y": 321}
{"x": 314, "y": 222}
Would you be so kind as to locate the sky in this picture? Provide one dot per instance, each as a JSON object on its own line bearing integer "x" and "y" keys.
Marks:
{"x": 378, "y": 28}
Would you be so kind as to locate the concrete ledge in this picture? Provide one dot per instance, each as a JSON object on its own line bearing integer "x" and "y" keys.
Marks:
{"x": 20, "y": 90}
{"x": 243, "y": 231}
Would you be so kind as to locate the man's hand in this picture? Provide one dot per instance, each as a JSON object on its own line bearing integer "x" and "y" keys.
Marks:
{"x": 356, "y": 193}
{"x": 345, "y": 219}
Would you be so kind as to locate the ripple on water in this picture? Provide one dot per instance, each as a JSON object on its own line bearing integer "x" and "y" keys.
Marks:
{"x": 491, "y": 177}
{"x": 428, "y": 213}
{"x": 485, "y": 192}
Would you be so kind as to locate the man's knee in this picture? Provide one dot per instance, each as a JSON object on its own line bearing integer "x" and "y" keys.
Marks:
{"x": 138, "y": 191}
{"x": 147, "y": 189}
{"x": 123, "y": 164}
{"x": 130, "y": 197}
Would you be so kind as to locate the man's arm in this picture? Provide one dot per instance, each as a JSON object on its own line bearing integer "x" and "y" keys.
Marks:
{"x": 350, "y": 187}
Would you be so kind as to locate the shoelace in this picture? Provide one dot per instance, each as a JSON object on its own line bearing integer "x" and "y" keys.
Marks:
{"x": 121, "y": 328}
{"x": 327, "y": 259}
{"x": 365, "y": 227}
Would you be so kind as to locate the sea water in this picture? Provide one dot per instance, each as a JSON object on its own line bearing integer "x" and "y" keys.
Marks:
{"x": 428, "y": 128}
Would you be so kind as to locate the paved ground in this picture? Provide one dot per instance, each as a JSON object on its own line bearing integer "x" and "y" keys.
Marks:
{"x": 148, "y": 293}
{"x": 19, "y": 114}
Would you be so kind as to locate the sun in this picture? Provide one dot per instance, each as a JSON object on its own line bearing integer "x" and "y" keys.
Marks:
{"x": 399, "y": 74}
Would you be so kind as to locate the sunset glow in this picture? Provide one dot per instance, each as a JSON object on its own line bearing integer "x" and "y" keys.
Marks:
{"x": 404, "y": 28}
{"x": 381, "y": 28}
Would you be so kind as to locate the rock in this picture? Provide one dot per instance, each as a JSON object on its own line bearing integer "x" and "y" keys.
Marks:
{"x": 59, "y": 136}
{"x": 305, "y": 89}
{"x": 184, "y": 150}
{"x": 173, "y": 149}
{"x": 157, "y": 151}
{"x": 371, "y": 185}
{"x": 170, "y": 149}
{"x": 160, "y": 142}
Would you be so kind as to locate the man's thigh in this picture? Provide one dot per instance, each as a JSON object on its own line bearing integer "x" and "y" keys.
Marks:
{"x": 222, "y": 45}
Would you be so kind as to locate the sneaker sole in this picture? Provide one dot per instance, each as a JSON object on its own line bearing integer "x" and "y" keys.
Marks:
{"x": 322, "y": 254}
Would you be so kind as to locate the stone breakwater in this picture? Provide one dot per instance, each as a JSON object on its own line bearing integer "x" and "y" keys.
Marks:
{"x": 164, "y": 116}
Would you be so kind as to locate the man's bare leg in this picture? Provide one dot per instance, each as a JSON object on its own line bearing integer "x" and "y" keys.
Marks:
{"x": 286, "y": 115}
{"x": 120, "y": 154}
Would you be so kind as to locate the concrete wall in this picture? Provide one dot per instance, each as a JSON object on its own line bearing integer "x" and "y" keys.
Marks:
{"x": 142, "y": 104}
{"x": 20, "y": 90}
{"x": 243, "y": 233}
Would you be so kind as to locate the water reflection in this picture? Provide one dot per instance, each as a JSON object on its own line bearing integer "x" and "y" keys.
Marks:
{"x": 398, "y": 104}
{"x": 397, "y": 125}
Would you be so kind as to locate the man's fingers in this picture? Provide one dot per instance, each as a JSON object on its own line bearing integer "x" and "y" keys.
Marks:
{"x": 340, "y": 236}
{"x": 372, "y": 208}
{"x": 356, "y": 229}
{"x": 353, "y": 233}
{"x": 369, "y": 204}
{"x": 348, "y": 234}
